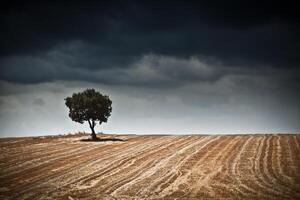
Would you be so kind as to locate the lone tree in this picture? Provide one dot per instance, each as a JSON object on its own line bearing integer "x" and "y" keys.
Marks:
{"x": 90, "y": 106}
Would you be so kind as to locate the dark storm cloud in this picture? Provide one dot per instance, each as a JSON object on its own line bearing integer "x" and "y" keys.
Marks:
{"x": 170, "y": 66}
{"x": 152, "y": 45}
{"x": 147, "y": 70}
{"x": 119, "y": 32}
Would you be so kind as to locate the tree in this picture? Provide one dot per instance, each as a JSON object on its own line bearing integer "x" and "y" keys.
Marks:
{"x": 90, "y": 106}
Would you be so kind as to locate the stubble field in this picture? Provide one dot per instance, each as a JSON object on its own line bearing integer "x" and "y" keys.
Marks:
{"x": 151, "y": 167}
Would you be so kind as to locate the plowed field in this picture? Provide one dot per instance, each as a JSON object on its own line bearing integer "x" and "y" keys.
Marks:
{"x": 151, "y": 167}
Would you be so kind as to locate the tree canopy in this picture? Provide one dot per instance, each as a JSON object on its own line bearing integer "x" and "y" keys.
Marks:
{"x": 90, "y": 106}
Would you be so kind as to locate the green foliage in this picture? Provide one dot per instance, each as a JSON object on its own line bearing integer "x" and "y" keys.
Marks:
{"x": 90, "y": 106}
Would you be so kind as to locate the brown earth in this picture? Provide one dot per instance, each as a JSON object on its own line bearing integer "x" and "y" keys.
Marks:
{"x": 151, "y": 167}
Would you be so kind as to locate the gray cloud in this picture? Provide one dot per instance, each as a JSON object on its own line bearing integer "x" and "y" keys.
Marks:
{"x": 238, "y": 101}
{"x": 69, "y": 62}
{"x": 201, "y": 66}
{"x": 38, "y": 102}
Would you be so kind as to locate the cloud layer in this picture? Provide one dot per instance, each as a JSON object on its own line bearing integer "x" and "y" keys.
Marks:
{"x": 172, "y": 66}
{"x": 152, "y": 96}
{"x": 233, "y": 31}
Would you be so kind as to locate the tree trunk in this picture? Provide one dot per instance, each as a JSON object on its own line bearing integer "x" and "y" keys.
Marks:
{"x": 92, "y": 125}
{"x": 94, "y": 136}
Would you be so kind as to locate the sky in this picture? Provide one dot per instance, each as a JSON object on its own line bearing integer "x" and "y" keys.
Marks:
{"x": 171, "y": 67}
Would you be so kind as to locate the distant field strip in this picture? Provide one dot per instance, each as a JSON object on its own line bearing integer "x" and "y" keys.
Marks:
{"x": 151, "y": 167}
